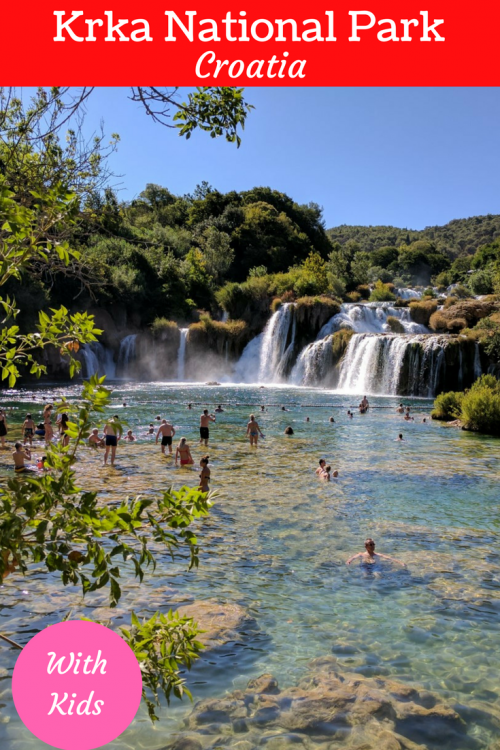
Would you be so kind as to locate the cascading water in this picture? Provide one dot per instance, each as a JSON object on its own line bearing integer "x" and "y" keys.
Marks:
{"x": 370, "y": 317}
{"x": 126, "y": 354}
{"x": 181, "y": 353}
{"x": 247, "y": 368}
{"x": 277, "y": 344}
{"x": 96, "y": 359}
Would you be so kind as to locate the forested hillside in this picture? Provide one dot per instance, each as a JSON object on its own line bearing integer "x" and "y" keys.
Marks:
{"x": 458, "y": 237}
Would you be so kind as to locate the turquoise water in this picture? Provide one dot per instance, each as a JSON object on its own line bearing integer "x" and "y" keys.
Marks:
{"x": 277, "y": 540}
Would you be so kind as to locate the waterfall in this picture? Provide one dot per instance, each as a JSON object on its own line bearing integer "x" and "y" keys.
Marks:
{"x": 181, "y": 353}
{"x": 277, "y": 344}
{"x": 126, "y": 354}
{"x": 370, "y": 318}
{"x": 401, "y": 364}
{"x": 405, "y": 293}
{"x": 478, "y": 370}
{"x": 313, "y": 364}
{"x": 96, "y": 359}
{"x": 247, "y": 368}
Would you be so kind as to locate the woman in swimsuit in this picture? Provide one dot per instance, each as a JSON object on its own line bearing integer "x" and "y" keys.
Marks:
{"x": 204, "y": 475}
{"x": 253, "y": 431}
{"x": 63, "y": 426}
{"x": 183, "y": 452}
{"x": 3, "y": 427}
{"x": 49, "y": 432}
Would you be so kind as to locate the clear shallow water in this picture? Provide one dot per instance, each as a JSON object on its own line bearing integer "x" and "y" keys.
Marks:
{"x": 277, "y": 540}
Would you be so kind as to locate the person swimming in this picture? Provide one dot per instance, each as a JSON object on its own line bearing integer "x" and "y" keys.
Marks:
{"x": 289, "y": 430}
{"x": 219, "y": 409}
{"x": 399, "y": 437}
{"x": 320, "y": 469}
{"x": 331, "y": 420}
{"x": 129, "y": 437}
{"x": 370, "y": 556}
{"x": 325, "y": 474}
{"x": 400, "y": 409}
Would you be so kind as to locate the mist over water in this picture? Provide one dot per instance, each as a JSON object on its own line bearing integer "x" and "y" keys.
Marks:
{"x": 277, "y": 539}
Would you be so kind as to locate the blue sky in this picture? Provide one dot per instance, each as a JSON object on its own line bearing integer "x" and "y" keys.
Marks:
{"x": 411, "y": 157}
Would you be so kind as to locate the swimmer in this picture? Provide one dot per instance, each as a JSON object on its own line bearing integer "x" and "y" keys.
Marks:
{"x": 371, "y": 557}
{"x": 219, "y": 409}
{"x": 289, "y": 431}
{"x": 29, "y": 429}
{"x": 320, "y": 469}
{"x": 190, "y": 406}
{"x": 112, "y": 433}
{"x": 350, "y": 414}
{"x": 124, "y": 403}
{"x": 331, "y": 420}
{"x": 205, "y": 420}
{"x": 399, "y": 437}
{"x": 335, "y": 474}
{"x": 325, "y": 474}
{"x": 400, "y": 409}
{"x": 94, "y": 440}
{"x": 183, "y": 453}
{"x": 283, "y": 409}
{"x": 151, "y": 429}
{"x": 424, "y": 420}
{"x": 18, "y": 457}
{"x": 307, "y": 419}
{"x": 262, "y": 408}
{"x": 158, "y": 418}
{"x": 204, "y": 475}
{"x": 129, "y": 437}
{"x": 253, "y": 431}
{"x": 167, "y": 432}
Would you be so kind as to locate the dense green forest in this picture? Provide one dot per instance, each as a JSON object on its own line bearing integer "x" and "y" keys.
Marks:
{"x": 458, "y": 237}
{"x": 167, "y": 257}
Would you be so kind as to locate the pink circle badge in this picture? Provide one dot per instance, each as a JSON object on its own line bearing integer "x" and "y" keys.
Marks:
{"x": 77, "y": 685}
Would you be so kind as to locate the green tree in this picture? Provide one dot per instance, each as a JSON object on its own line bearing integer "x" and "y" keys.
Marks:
{"x": 217, "y": 252}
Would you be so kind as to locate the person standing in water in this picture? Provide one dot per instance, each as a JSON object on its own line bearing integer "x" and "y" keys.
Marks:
{"x": 29, "y": 429}
{"x": 253, "y": 431}
{"x": 112, "y": 433}
{"x": 3, "y": 427}
{"x": 47, "y": 422}
{"x": 205, "y": 420}
{"x": 371, "y": 557}
{"x": 167, "y": 432}
{"x": 63, "y": 429}
{"x": 204, "y": 475}
{"x": 183, "y": 453}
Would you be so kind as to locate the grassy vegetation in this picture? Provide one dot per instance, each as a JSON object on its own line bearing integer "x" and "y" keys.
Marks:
{"x": 477, "y": 408}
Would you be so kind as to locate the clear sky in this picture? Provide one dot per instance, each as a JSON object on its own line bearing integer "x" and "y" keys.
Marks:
{"x": 411, "y": 157}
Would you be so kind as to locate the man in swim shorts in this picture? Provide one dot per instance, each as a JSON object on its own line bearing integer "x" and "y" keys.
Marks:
{"x": 370, "y": 556}
{"x": 205, "y": 420}
{"x": 112, "y": 433}
{"x": 29, "y": 429}
{"x": 167, "y": 432}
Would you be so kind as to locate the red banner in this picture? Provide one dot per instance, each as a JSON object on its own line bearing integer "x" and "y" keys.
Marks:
{"x": 430, "y": 43}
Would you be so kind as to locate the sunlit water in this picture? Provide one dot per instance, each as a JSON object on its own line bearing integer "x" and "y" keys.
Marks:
{"x": 277, "y": 540}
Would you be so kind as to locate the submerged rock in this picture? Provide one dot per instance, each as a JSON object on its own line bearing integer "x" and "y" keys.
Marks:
{"x": 221, "y": 623}
{"x": 327, "y": 709}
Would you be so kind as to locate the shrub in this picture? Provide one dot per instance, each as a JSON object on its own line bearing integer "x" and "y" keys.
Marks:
{"x": 456, "y": 325}
{"x": 288, "y": 296}
{"x": 447, "y": 405}
{"x": 421, "y": 311}
{"x": 340, "y": 341}
{"x": 395, "y": 324}
{"x": 331, "y": 304}
{"x": 364, "y": 290}
{"x": 429, "y": 293}
{"x": 276, "y": 304}
{"x": 161, "y": 328}
{"x": 449, "y": 301}
{"x": 461, "y": 292}
{"x": 480, "y": 282}
{"x": 382, "y": 292}
{"x": 438, "y": 321}
{"x": 400, "y": 302}
{"x": 481, "y": 408}
{"x": 353, "y": 296}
